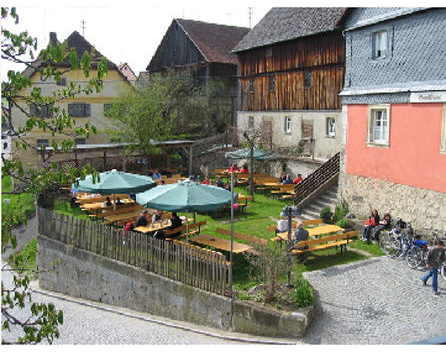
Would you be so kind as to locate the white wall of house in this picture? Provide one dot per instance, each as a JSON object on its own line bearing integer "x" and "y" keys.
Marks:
{"x": 326, "y": 144}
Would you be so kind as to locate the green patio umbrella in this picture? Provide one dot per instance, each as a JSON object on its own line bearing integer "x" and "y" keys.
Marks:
{"x": 259, "y": 154}
{"x": 115, "y": 182}
{"x": 184, "y": 196}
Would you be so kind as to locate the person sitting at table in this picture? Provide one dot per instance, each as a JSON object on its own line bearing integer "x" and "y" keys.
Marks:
{"x": 158, "y": 216}
{"x": 300, "y": 234}
{"x": 282, "y": 177}
{"x": 129, "y": 226}
{"x": 298, "y": 179}
{"x": 107, "y": 202}
{"x": 156, "y": 175}
{"x": 288, "y": 180}
{"x": 234, "y": 168}
{"x": 142, "y": 219}
{"x": 175, "y": 223}
{"x": 244, "y": 168}
{"x": 220, "y": 183}
{"x": 118, "y": 201}
{"x": 282, "y": 224}
{"x": 206, "y": 181}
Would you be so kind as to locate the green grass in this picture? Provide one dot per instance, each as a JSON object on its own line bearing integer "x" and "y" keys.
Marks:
{"x": 20, "y": 204}
{"x": 259, "y": 215}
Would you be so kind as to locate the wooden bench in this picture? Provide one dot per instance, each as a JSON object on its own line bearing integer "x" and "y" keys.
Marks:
{"x": 248, "y": 238}
{"x": 282, "y": 190}
{"x": 220, "y": 243}
{"x": 329, "y": 241}
{"x": 201, "y": 252}
{"x": 194, "y": 228}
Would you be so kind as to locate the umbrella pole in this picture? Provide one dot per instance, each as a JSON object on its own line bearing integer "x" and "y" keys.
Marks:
{"x": 187, "y": 228}
{"x": 232, "y": 232}
{"x": 114, "y": 202}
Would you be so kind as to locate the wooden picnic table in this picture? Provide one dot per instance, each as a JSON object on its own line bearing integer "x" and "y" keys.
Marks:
{"x": 272, "y": 184}
{"x": 99, "y": 205}
{"x": 153, "y": 227}
{"x": 219, "y": 243}
{"x": 122, "y": 216}
{"x": 316, "y": 231}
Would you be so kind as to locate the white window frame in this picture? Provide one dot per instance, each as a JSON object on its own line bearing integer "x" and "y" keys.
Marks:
{"x": 375, "y": 113}
{"x": 287, "y": 125}
{"x": 331, "y": 132}
{"x": 380, "y": 45}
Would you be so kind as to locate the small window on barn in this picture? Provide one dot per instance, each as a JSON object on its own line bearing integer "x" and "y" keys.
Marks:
{"x": 251, "y": 85}
{"x": 269, "y": 52}
{"x": 307, "y": 79}
{"x": 272, "y": 83}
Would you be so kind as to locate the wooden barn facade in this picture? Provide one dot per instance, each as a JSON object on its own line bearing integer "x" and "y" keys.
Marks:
{"x": 291, "y": 70}
{"x": 303, "y": 74}
{"x": 202, "y": 50}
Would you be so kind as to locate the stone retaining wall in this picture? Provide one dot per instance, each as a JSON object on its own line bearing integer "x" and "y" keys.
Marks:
{"x": 424, "y": 209}
{"x": 86, "y": 275}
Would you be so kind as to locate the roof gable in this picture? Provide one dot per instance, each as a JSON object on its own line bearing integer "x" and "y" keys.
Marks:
{"x": 212, "y": 42}
{"x": 287, "y": 23}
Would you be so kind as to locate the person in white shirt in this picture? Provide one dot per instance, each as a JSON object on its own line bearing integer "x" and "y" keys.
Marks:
{"x": 282, "y": 224}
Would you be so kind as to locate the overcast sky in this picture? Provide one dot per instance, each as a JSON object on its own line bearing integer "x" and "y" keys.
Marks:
{"x": 124, "y": 33}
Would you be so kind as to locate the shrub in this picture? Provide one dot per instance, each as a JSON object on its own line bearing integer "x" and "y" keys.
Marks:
{"x": 341, "y": 210}
{"x": 304, "y": 295}
{"x": 326, "y": 215}
{"x": 343, "y": 223}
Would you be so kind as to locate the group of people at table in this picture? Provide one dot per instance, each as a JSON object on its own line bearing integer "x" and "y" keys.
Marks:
{"x": 144, "y": 219}
{"x": 300, "y": 234}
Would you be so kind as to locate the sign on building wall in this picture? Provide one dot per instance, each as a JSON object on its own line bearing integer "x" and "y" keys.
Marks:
{"x": 428, "y": 97}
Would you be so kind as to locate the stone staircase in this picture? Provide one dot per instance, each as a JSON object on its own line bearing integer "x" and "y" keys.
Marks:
{"x": 319, "y": 189}
{"x": 313, "y": 208}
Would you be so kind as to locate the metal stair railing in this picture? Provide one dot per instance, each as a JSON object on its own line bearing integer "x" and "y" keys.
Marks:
{"x": 317, "y": 179}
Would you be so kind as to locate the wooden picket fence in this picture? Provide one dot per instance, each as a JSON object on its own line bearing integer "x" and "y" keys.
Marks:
{"x": 202, "y": 268}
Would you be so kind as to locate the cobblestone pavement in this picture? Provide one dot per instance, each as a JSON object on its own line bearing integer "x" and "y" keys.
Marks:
{"x": 376, "y": 301}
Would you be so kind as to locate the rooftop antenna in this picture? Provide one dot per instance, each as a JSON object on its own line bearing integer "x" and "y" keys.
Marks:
{"x": 83, "y": 28}
{"x": 250, "y": 12}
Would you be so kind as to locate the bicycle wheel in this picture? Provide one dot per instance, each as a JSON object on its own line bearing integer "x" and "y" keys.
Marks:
{"x": 395, "y": 246}
{"x": 414, "y": 258}
{"x": 386, "y": 243}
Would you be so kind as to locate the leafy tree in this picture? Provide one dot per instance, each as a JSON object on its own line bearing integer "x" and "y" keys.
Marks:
{"x": 51, "y": 63}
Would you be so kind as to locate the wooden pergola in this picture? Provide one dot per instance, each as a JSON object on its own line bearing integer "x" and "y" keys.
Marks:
{"x": 109, "y": 150}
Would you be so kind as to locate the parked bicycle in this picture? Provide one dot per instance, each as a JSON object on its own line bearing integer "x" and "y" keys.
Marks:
{"x": 417, "y": 255}
{"x": 396, "y": 242}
